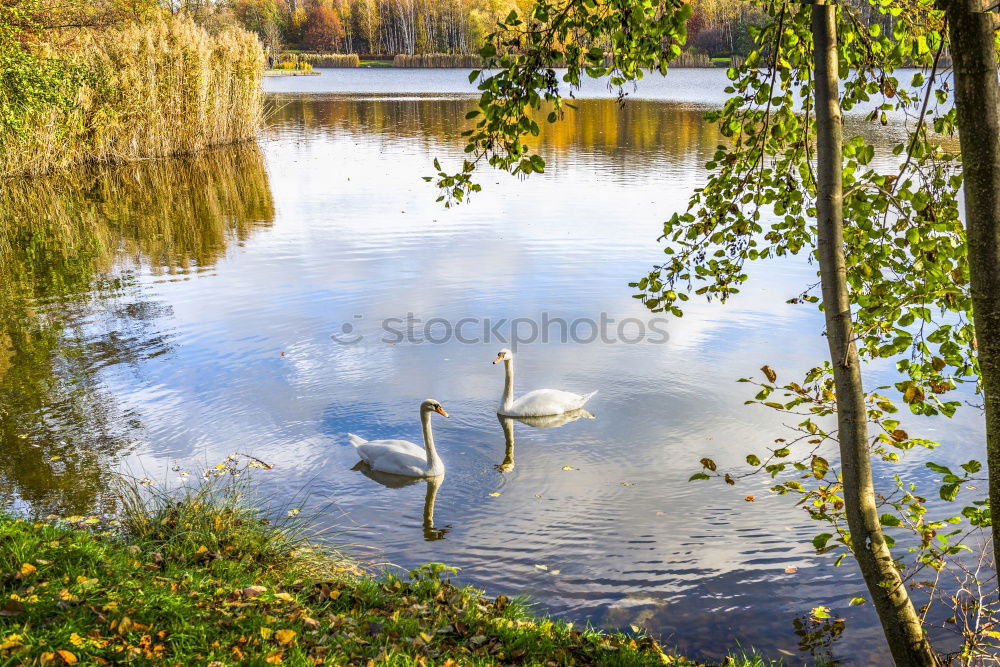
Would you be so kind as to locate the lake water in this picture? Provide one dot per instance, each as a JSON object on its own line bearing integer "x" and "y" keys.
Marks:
{"x": 158, "y": 317}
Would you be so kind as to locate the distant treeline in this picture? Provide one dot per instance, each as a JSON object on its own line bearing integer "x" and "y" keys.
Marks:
{"x": 431, "y": 27}
{"x": 445, "y": 60}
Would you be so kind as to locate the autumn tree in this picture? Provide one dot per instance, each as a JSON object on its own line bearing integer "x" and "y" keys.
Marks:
{"x": 323, "y": 30}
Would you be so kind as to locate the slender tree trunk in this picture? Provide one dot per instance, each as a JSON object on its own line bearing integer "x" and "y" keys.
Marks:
{"x": 976, "y": 102}
{"x": 900, "y": 622}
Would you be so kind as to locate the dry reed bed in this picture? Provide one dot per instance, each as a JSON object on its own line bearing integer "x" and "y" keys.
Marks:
{"x": 441, "y": 60}
{"x": 473, "y": 61}
{"x": 327, "y": 59}
{"x": 152, "y": 90}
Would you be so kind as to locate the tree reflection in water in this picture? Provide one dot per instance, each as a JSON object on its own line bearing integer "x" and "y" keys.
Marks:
{"x": 71, "y": 306}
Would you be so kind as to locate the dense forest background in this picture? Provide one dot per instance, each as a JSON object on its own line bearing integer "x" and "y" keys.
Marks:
{"x": 386, "y": 27}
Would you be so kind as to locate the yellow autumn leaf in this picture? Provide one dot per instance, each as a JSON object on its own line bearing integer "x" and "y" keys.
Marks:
{"x": 76, "y": 640}
{"x": 266, "y": 632}
{"x": 426, "y": 637}
{"x": 284, "y": 596}
{"x": 285, "y": 637}
{"x": 568, "y": 468}
{"x": 27, "y": 569}
{"x": 201, "y": 550}
{"x": 275, "y": 658}
{"x": 46, "y": 657}
{"x": 494, "y": 495}
{"x": 67, "y": 657}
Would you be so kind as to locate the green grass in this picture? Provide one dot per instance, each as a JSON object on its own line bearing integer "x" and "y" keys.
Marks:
{"x": 375, "y": 63}
{"x": 202, "y": 578}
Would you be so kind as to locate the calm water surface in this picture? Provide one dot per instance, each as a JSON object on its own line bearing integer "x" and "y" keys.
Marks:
{"x": 163, "y": 316}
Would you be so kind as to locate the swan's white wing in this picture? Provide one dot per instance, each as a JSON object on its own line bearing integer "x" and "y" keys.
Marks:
{"x": 356, "y": 440}
{"x": 543, "y": 402}
{"x": 399, "y": 457}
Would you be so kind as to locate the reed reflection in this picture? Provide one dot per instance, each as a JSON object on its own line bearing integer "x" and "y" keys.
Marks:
{"x": 548, "y": 421}
{"x": 71, "y": 306}
{"x": 390, "y": 481}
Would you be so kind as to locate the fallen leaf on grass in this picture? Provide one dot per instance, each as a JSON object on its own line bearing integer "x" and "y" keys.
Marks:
{"x": 67, "y": 657}
{"x": 275, "y": 658}
{"x": 266, "y": 632}
{"x": 285, "y": 637}
{"x": 27, "y": 569}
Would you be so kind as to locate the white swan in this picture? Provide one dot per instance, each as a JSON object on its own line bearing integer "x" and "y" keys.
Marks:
{"x": 402, "y": 457}
{"x": 538, "y": 403}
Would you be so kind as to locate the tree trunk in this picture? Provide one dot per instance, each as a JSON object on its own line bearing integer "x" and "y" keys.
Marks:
{"x": 900, "y": 622}
{"x": 976, "y": 103}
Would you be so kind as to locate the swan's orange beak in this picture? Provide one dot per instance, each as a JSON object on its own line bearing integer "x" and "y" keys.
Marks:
{"x": 440, "y": 411}
{"x": 498, "y": 359}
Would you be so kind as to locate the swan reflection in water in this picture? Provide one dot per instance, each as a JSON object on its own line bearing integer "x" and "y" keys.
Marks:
{"x": 391, "y": 481}
{"x": 548, "y": 421}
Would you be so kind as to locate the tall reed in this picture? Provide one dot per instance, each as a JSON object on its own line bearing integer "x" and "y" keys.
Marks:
{"x": 329, "y": 59}
{"x": 162, "y": 88}
{"x": 463, "y": 60}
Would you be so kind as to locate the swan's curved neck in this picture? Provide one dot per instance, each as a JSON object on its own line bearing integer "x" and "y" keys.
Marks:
{"x": 425, "y": 421}
{"x": 508, "y": 385}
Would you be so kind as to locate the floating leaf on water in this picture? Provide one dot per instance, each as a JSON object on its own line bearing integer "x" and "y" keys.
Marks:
{"x": 568, "y": 468}
{"x": 542, "y": 567}
{"x": 749, "y": 499}
{"x": 791, "y": 569}
{"x": 293, "y": 512}
{"x": 820, "y": 612}
{"x": 856, "y": 602}
{"x": 554, "y": 571}
{"x": 55, "y": 458}
{"x": 495, "y": 494}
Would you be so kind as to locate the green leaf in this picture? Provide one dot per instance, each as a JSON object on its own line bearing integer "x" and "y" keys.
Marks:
{"x": 820, "y": 541}
{"x": 698, "y": 475}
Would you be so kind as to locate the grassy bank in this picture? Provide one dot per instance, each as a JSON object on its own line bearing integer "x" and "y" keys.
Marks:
{"x": 202, "y": 579}
{"x": 130, "y": 92}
